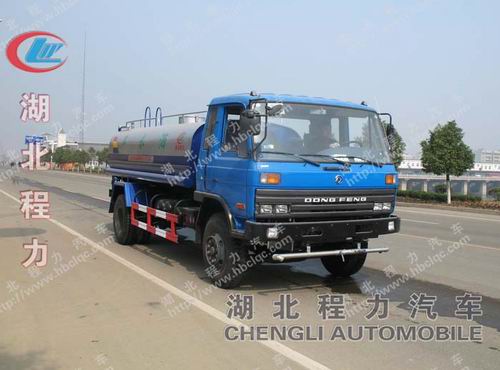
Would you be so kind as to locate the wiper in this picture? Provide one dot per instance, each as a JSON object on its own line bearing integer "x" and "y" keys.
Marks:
{"x": 329, "y": 157}
{"x": 295, "y": 156}
{"x": 373, "y": 163}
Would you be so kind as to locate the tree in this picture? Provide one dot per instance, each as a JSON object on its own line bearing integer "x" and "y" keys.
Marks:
{"x": 396, "y": 144}
{"x": 81, "y": 156}
{"x": 103, "y": 155}
{"x": 445, "y": 153}
{"x": 63, "y": 155}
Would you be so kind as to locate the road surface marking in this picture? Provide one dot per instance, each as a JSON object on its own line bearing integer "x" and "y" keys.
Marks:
{"x": 104, "y": 200}
{"x": 449, "y": 241}
{"x": 419, "y": 221}
{"x": 278, "y": 347}
{"x": 458, "y": 215}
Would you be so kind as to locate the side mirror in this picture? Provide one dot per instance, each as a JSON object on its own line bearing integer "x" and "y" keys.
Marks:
{"x": 273, "y": 111}
{"x": 389, "y": 130}
{"x": 250, "y": 122}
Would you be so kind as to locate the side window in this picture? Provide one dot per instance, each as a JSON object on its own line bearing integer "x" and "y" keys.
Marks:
{"x": 231, "y": 141}
{"x": 209, "y": 132}
{"x": 359, "y": 131}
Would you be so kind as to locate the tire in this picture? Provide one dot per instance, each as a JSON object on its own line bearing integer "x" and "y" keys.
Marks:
{"x": 347, "y": 267}
{"x": 125, "y": 232}
{"x": 224, "y": 256}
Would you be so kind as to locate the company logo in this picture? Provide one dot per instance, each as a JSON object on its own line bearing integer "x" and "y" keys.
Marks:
{"x": 338, "y": 179}
{"x": 36, "y": 52}
{"x": 334, "y": 199}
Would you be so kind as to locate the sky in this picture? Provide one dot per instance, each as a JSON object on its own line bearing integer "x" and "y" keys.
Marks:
{"x": 425, "y": 62}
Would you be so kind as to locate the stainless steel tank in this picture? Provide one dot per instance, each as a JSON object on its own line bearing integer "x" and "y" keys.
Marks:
{"x": 157, "y": 153}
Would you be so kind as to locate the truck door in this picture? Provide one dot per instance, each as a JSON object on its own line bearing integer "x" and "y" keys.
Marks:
{"x": 207, "y": 146}
{"x": 226, "y": 170}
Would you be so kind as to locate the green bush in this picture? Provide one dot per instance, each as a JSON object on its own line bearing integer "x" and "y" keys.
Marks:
{"x": 440, "y": 188}
{"x": 495, "y": 192}
{"x": 466, "y": 198}
{"x": 414, "y": 194}
{"x": 435, "y": 197}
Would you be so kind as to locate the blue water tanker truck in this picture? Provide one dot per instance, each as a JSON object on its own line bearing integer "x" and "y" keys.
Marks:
{"x": 258, "y": 178}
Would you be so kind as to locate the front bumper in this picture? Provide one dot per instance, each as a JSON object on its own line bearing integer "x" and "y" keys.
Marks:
{"x": 324, "y": 231}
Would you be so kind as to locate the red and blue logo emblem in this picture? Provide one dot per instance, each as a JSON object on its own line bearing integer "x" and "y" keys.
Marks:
{"x": 36, "y": 52}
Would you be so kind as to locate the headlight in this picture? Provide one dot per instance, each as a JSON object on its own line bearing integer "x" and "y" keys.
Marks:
{"x": 377, "y": 206}
{"x": 387, "y": 206}
{"x": 281, "y": 208}
{"x": 266, "y": 209}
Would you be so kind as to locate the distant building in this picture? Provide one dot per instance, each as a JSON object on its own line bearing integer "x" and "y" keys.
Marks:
{"x": 96, "y": 146}
{"x": 414, "y": 166}
{"x": 488, "y": 156}
{"x": 59, "y": 142}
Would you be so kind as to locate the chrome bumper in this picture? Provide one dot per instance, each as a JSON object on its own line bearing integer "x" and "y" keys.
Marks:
{"x": 342, "y": 252}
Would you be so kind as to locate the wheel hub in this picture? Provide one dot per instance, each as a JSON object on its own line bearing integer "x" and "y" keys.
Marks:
{"x": 215, "y": 250}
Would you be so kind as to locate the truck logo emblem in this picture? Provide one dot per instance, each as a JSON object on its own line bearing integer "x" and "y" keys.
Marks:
{"x": 43, "y": 51}
{"x": 338, "y": 179}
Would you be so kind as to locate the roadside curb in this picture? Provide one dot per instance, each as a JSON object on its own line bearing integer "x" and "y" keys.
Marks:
{"x": 448, "y": 208}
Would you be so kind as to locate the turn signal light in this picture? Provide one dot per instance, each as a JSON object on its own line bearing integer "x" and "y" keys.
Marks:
{"x": 270, "y": 178}
{"x": 390, "y": 179}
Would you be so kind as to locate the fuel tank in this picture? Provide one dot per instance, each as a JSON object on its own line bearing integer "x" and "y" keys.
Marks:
{"x": 165, "y": 153}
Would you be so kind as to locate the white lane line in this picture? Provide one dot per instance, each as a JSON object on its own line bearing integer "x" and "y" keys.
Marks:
{"x": 278, "y": 347}
{"x": 457, "y": 215}
{"x": 419, "y": 221}
{"x": 447, "y": 241}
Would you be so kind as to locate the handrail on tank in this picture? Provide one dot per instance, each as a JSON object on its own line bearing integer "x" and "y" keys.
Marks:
{"x": 148, "y": 110}
{"x": 156, "y": 117}
{"x": 131, "y": 124}
{"x": 184, "y": 114}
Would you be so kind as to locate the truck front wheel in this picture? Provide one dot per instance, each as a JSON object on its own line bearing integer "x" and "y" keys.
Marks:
{"x": 125, "y": 232}
{"x": 224, "y": 256}
{"x": 348, "y": 266}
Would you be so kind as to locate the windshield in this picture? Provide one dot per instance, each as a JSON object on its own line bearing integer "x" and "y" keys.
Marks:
{"x": 321, "y": 133}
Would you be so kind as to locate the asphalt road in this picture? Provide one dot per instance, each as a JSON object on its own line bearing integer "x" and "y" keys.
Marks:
{"x": 152, "y": 306}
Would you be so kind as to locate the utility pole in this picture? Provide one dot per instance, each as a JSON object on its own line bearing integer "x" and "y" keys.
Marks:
{"x": 82, "y": 128}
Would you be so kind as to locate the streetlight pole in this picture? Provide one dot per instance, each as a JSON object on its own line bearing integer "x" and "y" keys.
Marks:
{"x": 82, "y": 128}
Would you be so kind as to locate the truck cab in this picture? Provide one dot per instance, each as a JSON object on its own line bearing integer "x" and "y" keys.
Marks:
{"x": 282, "y": 178}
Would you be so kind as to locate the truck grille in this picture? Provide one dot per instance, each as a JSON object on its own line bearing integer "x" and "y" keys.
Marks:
{"x": 320, "y": 205}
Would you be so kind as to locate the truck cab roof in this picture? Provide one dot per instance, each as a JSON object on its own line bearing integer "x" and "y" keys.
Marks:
{"x": 246, "y": 98}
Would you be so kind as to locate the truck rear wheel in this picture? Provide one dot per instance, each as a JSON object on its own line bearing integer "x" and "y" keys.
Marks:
{"x": 348, "y": 266}
{"x": 224, "y": 257}
{"x": 125, "y": 232}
